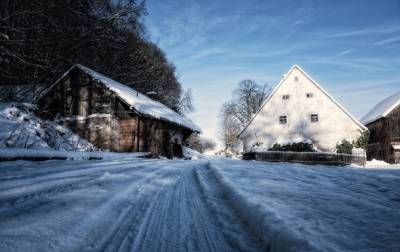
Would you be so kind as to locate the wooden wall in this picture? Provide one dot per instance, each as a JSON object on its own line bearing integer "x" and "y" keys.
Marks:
{"x": 84, "y": 104}
{"x": 383, "y": 134}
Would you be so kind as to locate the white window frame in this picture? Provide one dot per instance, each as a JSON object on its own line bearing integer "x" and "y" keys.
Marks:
{"x": 285, "y": 97}
{"x": 310, "y": 95}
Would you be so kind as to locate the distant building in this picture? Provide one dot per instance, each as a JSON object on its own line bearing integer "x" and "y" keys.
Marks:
{"x": 383, "y": 122}
{"x": 113, "y": 116}
{"x": 299, "y": 109}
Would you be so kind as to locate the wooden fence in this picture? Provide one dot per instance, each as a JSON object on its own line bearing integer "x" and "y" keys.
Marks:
{"x": 325, "y": 158}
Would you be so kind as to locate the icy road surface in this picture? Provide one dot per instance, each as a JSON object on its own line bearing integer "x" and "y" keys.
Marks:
{"x": 216, "y": 205}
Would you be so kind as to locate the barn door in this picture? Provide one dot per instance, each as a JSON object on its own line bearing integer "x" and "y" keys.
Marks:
{"x": 127, "y": 129}
{"x": 177, "y": 149}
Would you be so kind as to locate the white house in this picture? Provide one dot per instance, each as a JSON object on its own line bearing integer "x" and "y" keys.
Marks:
{"x": 300, "y": 109}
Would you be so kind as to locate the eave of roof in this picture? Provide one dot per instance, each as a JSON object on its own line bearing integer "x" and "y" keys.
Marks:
{"x": 108, "y": 82}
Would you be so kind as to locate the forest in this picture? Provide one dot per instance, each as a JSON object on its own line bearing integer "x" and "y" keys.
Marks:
{"x": 40, "y": 40}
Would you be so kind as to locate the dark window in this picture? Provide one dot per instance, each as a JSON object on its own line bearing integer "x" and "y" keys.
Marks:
{"x": 314, "y": 117}
{"x": 285, "y": 97}
{"x": 283, "y": 119}
{"x": 296, "y": 78}
{"x": 309, "y": 95}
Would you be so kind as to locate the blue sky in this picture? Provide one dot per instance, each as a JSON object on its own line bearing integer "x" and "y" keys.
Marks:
{"x": 352, "y": 48}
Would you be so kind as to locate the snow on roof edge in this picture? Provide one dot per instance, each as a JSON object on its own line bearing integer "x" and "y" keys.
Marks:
{"x": 124, "y": 92}
{"x": 382, "y": 108}
{"x": 120, "y": 88}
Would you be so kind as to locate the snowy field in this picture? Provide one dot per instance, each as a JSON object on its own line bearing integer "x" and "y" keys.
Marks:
{"x": 203, "y": 205}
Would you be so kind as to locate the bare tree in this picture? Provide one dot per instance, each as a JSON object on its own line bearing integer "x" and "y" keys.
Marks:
{"x": 185, "y": 104}
{"x": 200, "y": 144}
{"x": 229, "y": 129}
{"x": 247, "y": 98}
{"x": 235, "y": 114}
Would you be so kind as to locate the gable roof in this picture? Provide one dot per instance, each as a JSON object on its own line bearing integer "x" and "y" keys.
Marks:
{"x": 382, "y": 109}
{"x": 313, "y": 82}
{"x": 140, "y": 102}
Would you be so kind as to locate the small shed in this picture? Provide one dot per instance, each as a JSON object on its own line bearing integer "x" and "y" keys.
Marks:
{"x": 383, "y": 122}
{"x": 114, "y": 116}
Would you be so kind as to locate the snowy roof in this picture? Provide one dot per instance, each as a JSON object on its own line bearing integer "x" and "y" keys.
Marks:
{"x": 140, "y": 102}
{"x": 285, "y": 76}
{"x": 382, "y": 109}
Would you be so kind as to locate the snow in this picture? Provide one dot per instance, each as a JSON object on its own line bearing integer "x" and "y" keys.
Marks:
{"x": 139, "y": 101}
{"x": 379, "y": 164}
{"x": 43, "y": 154}
{"x": 20, "y": 128}
{"x": 396, "y": 146}
{"x": 382, "y": 109}
{"x": 298, "y": 207}
{"x": 203, "y": 205}
{"x": 191, "y": 154}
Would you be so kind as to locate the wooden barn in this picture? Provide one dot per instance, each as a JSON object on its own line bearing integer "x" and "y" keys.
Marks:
{"x": 113, "y": 116}
{"x": 383, "y": 122}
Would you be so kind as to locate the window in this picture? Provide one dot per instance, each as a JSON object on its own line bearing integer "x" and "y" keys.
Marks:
{"x": 285, "y": 97}
{"x": 283, "y": 119}
{"x": 314, "y": 117}
{"x": 309, "y": 95}
{"x": 296, "y": 79}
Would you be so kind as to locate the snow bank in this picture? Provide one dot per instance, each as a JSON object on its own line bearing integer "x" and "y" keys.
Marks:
{"x": 297, "y": 207}
{"x": 20, "y": 128}
{"x": 382, "y": 109}
{"x": 7, "y": 154}
{"x": 192, "y": 154}
{"x": 264, "y": 221}
{"x": 380, "y": 164}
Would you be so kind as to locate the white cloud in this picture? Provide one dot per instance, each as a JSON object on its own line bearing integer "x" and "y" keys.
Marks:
{"x": 387, "y": 41}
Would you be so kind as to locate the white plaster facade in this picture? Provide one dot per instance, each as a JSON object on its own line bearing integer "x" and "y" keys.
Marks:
{"x": 334, "y": 122}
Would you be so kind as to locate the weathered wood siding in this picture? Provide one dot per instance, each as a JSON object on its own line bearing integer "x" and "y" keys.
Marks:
{"x": 384, "y": 133}
{"x": 101, "y": 131}
{"x": 98, "y": 115}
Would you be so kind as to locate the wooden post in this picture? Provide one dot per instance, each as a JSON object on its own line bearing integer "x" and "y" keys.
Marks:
{"x": 137, "y": 133}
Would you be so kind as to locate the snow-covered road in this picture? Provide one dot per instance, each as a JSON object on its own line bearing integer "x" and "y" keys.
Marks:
{"x": 130, "y": 205}
{"x": 216, "y": 205}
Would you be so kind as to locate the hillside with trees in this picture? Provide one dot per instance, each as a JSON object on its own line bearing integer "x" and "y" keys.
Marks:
{"x": 39, "y": 40}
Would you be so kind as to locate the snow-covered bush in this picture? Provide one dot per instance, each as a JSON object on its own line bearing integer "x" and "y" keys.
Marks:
{"x": 344, "y": 147}
{"x": 296, "y": 147}
{"x": 189, "y": 153}
{"x": 20, "y": 128}
{"x": 362, "y": 141}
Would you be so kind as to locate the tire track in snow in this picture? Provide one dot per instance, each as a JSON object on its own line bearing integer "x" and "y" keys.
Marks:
{"x": 108, "y": 229}
{"x": 235, "y": 229}
{"x": 179, "y": 220}
{"x": 155, "y": 206}
{"x": 64, "y": 171}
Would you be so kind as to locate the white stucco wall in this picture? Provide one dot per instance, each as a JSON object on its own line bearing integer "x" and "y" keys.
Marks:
{"x": 333, "y": 125}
